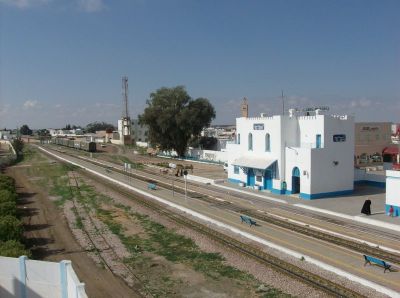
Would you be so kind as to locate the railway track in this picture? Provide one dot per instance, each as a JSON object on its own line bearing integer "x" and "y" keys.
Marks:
{"x": 249, "y": 250}
{"x": 342, "y": 242}
{"x": 109, "y": 247}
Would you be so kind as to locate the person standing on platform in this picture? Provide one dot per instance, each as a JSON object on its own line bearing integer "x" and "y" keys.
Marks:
{"x": 366, "y": 208}
{"x": 391, "y": 211}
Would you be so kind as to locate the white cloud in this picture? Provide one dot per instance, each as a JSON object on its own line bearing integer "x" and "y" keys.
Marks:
{"x": 361, "y": 103}
{"x": 91, "y": 5}
{"x": 24, "y": 3}
{"x": 30, "y": 104}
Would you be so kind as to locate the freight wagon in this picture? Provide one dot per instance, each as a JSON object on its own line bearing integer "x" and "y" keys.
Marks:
{"x": 77, "y": 144}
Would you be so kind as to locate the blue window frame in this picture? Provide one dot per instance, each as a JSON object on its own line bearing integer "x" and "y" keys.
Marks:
{"x": 250, "y": 142}
{"x": 318, "y": 141}
{"x": 238, "y": 138}
{"x": 236, "y": 169}
{"x": 267, "y": 143}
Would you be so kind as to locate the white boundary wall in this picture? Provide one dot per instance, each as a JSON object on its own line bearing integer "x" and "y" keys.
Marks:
{"x": 20, "y": 277}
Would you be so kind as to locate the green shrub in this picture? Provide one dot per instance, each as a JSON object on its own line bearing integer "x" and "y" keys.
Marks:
{"x": 7, "y": 186}
{"x": 7, "y": 180}
{"x": 7, "y": 196}
{"x": 13, "y": 248}
{"x": 10, "y": 228}
{"x": 8, "y": 208}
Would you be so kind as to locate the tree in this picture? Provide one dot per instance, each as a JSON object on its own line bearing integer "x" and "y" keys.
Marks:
{"x": 25, "y": 130}
{"x": 13, "y": 248}
{"x": 43, "y": 133}
{"x": 173, "y": 117}
{"x": 7, "y": 180}
{"x": 10, "y": 228}
{"x": 95, "y": 126}
{"x": 18, "y": 145}
{"x": 8, "y": 208}
{"x": 7, "y": 195}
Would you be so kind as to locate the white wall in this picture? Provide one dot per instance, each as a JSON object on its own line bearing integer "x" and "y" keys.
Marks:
{"x": 41, "y": 279}
{"x": 293, "y": 144}
{"x": 217, "y": 156}
{"x": 393, "y": 188}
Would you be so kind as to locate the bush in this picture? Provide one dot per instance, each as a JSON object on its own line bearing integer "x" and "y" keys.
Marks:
{"x": 13, "y": 248}
{"x": 7, "y": 179}
{"x": 10, "y": 228}
{"x": 8, "y": 208}
{"x": 7, "y": 196}
{"x": 7, "y": 183}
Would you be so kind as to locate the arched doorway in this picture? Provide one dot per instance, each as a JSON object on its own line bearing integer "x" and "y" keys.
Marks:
{"x": 251, "y": 178}
{"x": 295, "y": 180}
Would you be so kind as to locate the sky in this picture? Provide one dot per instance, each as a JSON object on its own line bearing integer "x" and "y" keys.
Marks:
{"x": 61, "y": 61}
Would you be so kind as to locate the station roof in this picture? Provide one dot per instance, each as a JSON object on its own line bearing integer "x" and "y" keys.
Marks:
{"x": 254, "y": 162}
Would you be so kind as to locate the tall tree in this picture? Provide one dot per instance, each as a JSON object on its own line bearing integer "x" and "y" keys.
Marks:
{"x": 25, "y": 130}
{"x": 95, "y": 126}
{"x": 174, "y": 117}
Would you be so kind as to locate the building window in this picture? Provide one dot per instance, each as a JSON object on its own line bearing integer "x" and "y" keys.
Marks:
{"x": 259, "y": 178}
{"x": 238, "y": 138}
{"x": 339, "y": 138}
{"x": 250, "y": 142}
{"x": 318, "y": 141}
{"x": 267, "y": 143}
{"x": 235, "y": 169}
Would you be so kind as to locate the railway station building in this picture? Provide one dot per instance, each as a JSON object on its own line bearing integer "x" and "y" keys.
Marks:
{"x": 310, "y": 153}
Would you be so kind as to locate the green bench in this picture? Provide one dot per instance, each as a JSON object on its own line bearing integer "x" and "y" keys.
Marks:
{"x": 370, "y": 260}
{"x": 248, "y": 220}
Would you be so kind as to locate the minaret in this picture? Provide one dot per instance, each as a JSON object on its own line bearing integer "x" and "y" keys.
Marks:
{"x": 244, "y": 108}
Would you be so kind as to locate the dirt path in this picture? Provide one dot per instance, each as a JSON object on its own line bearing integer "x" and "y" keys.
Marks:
{"x": 50, "y": 238}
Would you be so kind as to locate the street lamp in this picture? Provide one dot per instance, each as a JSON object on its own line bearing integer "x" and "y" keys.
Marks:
{"x": 185, "y": 172}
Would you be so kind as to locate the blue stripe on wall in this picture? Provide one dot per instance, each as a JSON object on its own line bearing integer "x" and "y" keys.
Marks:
{"x": 371, "y": 183}
{"x": 322, "y": 195}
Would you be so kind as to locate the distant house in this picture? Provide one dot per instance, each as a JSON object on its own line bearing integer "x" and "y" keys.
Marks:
{"x": 5, "y": 134}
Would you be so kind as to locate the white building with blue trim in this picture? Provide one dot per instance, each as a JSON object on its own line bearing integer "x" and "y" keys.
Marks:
{"x": 393, "y": 192}
{"x": 310, "y": 154}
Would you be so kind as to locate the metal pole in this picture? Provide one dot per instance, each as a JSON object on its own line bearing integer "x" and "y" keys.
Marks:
{"x": 173, "y": 189}
{"x": 185, "y": 189}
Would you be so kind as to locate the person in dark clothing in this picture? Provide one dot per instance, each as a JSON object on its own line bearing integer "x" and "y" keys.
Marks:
{"x": 366, "y": 208}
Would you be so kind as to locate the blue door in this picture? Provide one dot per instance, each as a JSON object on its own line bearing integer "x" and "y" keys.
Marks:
{"x": 295, "y": 180}
{"x": 251, "y": 180}
{"x": 268, "y": 179}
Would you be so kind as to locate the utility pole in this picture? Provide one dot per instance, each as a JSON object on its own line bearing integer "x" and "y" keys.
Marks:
{"x": 283, "y": 104}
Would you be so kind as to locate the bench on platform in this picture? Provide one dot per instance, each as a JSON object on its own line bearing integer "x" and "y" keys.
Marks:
{"x": 370, "y": 260}
{"x": 248, "y": 220}
{"x": 151, "y": 186}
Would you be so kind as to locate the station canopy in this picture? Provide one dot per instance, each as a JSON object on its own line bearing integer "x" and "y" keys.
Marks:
{"x": 253, "y": 162}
